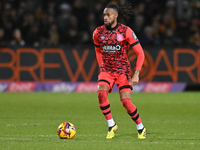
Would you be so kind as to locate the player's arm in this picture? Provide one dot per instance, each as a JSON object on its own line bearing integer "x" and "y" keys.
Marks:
{"x": 135, "y": 45}
{"x": 97, "y": 48}
{"x": 140, "y": 59}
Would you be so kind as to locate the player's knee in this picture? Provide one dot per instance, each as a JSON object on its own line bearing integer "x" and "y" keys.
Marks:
{"x": 102, "y": 95}
{"x": 126, "y": 102}
{"x": 103, "y": 87}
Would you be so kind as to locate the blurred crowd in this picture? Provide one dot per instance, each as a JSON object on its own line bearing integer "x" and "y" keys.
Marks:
{"x": 62, "y": 22}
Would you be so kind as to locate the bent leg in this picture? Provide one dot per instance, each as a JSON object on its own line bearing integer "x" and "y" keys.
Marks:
{"x": 105, "y": 107}
{"x": 103, "y": 101}
{"x": 104, "y": 104}
{"x": 131, "y": 109}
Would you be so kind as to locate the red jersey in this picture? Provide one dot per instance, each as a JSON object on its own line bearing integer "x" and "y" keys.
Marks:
{"x": 112, "y": 48}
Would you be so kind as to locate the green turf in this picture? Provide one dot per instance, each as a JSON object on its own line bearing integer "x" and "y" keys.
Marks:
{"x": 30, "y": 120}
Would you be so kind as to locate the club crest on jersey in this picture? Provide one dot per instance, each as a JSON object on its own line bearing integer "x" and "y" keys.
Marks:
{"x": 111, "y": 49}
{"x": 119, "y": 37}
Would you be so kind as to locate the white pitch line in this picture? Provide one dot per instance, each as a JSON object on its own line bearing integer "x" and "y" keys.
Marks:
{"x": 31, "y": 124}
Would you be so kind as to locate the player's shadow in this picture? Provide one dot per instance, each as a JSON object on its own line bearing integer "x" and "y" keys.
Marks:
{"x": 125, "y": 135}
{"x": 134, "y": 135}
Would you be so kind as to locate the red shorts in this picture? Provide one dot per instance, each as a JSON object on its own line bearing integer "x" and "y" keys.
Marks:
{"x": 109, "y": 79}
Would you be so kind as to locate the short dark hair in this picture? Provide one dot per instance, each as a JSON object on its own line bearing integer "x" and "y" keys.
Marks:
{"x": 113, "y": 6}
{"x": 123, "y": 12}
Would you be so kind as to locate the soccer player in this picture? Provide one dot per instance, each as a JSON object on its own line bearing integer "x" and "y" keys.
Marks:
{"x": 112, "y": 42}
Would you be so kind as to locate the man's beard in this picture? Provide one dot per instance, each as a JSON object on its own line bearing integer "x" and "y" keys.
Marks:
{"x": 109, "y": 25}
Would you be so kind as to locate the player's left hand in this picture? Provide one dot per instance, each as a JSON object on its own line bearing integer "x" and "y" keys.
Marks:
{"x": 134, "y": 80}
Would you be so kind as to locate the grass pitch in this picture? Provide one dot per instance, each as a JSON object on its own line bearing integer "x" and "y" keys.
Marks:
{"x": 30, "y": 121}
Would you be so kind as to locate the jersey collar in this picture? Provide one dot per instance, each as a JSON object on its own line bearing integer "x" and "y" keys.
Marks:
{"x": 111, "y": 29}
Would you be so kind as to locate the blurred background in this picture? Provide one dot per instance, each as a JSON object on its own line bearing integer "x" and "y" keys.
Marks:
{"x": 51, "y": 41}
{"x": 46, "y": 46}
{"x": 61, "y": 22}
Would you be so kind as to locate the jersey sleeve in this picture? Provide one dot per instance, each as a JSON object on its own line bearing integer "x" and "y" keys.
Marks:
{"x": 135, "y": 45}
{"x": 131, "y": 38}
{"x": 95, "y": 38}
{"x": 97, "y": 48}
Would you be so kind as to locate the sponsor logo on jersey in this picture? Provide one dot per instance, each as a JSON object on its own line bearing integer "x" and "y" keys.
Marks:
{"x": 111, "y": 49}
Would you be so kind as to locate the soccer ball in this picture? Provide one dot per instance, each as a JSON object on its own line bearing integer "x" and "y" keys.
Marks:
{"x": 66, "y": 130}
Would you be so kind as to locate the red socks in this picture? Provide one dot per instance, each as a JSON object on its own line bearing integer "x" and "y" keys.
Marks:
{"x": 104, "y": 104}
{"x": 131, "y": 109}
{"x": 126, "y": 102}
